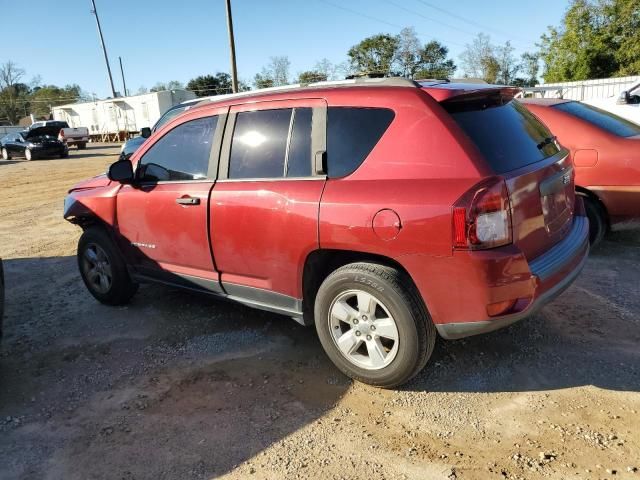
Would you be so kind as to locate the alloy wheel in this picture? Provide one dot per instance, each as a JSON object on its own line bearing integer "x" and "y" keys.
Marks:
{"x": 364, "y": 331}
{"x": 97, "y": 268}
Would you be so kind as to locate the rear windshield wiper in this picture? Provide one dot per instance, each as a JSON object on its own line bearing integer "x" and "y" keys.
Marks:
{"x": 546, "y": 141}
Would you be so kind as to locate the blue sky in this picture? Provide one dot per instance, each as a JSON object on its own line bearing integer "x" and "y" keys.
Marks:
{"x": 162, "y": 40}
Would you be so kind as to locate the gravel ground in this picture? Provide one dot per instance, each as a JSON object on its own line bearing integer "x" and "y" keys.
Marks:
{"x": 180, "y": 386}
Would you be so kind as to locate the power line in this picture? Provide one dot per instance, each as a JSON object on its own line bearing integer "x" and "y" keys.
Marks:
{"x": 413, "y": 12}
{"x": 379, "y": 20}
{"x": 476, "y": 24}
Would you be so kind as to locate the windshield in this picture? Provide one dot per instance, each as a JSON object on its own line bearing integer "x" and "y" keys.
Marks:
{"x": 168, "y": 115}
{"x": 600, "y": 118}
{"x": 505, "y": 132}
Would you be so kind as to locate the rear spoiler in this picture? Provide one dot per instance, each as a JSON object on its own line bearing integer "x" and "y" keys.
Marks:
{"x": 469, "y": 94}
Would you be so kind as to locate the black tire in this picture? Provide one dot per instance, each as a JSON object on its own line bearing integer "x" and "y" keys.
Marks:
{"x": 121, "y": 288}
{"x": 81, "y": 145}
{"x": 5, "y": 154}
{"x": 65, "y": 154}
{"x": 597, "y": 220}
{"x": 416, "y": 332}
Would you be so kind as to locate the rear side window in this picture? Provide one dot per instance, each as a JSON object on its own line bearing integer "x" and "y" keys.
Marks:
{"x": 351, "y": 135}
{"x": 259, "y": 145}
{"x": 600, "y": 118}
{"x": 505, "y": 132}
{"x": 181, "y": 154}
{"x": 299, "y": 162}
{"x": 272, "y": 144}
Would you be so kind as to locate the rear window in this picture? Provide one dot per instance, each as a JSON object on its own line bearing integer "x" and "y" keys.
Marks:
{"x": 505, "y": 132}
{"x": 351, "y": 135}
{"x": 600, "y": 118}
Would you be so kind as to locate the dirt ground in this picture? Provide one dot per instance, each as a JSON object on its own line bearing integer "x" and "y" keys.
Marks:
{"x": 181, "y": 386}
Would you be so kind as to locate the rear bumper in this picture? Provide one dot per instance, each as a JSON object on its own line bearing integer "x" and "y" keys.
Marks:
{"x": 551, "y": 274}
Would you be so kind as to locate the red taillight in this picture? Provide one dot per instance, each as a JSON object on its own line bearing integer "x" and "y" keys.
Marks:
{"x": 482, "y": 217}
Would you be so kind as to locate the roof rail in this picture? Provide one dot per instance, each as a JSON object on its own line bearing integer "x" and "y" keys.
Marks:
{"x": 372, "y": 82}
{"x": 383, "y": 82}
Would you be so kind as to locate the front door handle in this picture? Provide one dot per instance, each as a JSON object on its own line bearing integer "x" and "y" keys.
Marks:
{"x": 188, "y": 201}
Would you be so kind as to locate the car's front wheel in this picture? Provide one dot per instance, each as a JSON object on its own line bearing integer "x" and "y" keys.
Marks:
{"x": 373, "y": 324}
{"x": 5, "y": 154}
{"x": 81, "y": 145}
{"x": 102, "y": 268}
{"x": 27, "y": 154}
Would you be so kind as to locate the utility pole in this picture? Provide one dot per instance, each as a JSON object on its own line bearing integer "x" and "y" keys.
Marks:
{"x": 104, "y": 49}
{"x": 124, "y": 84}
{"x": 232, "y": 48}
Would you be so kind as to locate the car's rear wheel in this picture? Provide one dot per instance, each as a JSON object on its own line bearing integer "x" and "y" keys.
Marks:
{"x": 27, "y": 154}
{"x": 81, "y": 146}
{"x": 5, "y": 154}
{"x": 597, "y": 220}
{"x": 373, "y": 324}
{"x": 102, "y": 268}
{"x": 64, "y": 154}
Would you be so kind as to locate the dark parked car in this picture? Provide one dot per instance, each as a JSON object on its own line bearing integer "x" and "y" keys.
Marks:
{"x": 34, "y": 143}
{"x": 131, "y": 145}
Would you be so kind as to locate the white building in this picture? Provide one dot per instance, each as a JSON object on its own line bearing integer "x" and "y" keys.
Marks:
{"x": 117, "y": 118}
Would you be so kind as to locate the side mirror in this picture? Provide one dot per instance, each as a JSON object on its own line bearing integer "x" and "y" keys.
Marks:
{"x": 121, "y": 171}
{"x": 145, "y": 132}
{"x": 624, "y": 98}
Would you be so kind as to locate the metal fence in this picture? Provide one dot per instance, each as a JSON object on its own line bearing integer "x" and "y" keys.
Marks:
{"x": 584, "y": 89}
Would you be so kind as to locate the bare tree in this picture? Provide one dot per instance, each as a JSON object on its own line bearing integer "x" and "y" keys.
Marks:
{"x": 274, "y": 74}
{"x": 408, "y": 53}
{"x": 478, "y": 59}
{"x": 326, "y": 68}
{"x": 508, "y": 64}
{"x": 12, "y": 92}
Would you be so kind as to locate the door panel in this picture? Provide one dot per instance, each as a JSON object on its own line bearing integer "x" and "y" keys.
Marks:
{"x": 262, "y": 231}
{"x": 162, "y": 235}
{"x": 163, "y": 219}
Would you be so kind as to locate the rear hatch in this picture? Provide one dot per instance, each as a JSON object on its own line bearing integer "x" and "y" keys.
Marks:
{"x": 538, "y": 172}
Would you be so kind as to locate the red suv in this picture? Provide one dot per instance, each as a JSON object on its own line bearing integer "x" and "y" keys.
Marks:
{"x": 605, "y": 149}
{"x": 383, "y": 211}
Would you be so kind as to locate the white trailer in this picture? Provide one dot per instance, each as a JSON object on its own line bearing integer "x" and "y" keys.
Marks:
{"x": 116, "y": 119}
{"x": 620, "y": 95}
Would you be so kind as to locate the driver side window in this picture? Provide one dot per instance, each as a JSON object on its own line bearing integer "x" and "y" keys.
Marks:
{"x": 181, "y": 154}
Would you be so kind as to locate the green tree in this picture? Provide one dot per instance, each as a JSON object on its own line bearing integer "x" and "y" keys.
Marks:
{"x": 530, "y": 67}
{"x": 588, "y": 44}
{"x": 621, "y": 32}
{"x": 262, "y": 80}
{"x": 42, "y": 98}
{"x": 374, "y": 54}
{"x": 170, "y": 85}
{"x": 209, "y": 85}
{"x": 433, "y": 62}
{"x": 311, "y": 76}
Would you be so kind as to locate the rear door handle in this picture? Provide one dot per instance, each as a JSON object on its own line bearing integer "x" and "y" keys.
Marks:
{"x": 188, "y": 201}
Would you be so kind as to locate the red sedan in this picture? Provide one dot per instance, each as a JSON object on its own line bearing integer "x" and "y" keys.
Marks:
{"x": 605, "y": 150}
